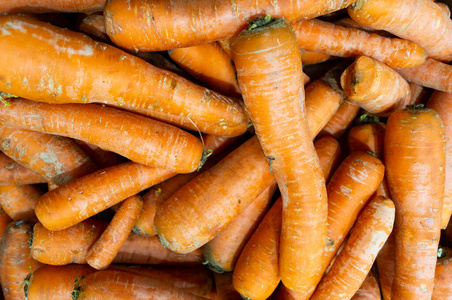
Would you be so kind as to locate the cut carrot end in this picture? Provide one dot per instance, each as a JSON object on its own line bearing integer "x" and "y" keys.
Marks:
{"x": 359, "y": 78}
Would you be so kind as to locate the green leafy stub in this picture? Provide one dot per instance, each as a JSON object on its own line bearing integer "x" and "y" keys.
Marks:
{"x": 77, "y": 292}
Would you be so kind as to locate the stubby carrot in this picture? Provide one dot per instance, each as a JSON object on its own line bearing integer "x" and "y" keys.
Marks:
{"x": 341, "y": 120}
{"x": 408, "y": 20}
{"x": 415, "y": 169}
{"x": 375, "y": 87}
{"x": 39, "y": 6}
{"x": 354, "y": 262}
{"x": 19, "y": 201}
{"x": 48, "y": 75}
{"x": 321, "y": 36}
{"x": 442, "y": 290}
{"x": 328, "y": 150}
{"x": 12, "y": 173}
{"x": 268, "y": 63}
{"x": 369, "y": 289}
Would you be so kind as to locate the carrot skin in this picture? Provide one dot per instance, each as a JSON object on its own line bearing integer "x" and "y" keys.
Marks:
{"x": 341, "y": 120}
{"x": 39, "y": 6}
{"x": 328, "y": 150}
{"x": 19, "y": 201}
{"x": 12, "y": 173}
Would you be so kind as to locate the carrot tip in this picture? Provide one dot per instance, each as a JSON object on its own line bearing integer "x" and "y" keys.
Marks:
{"x": 259, "y": 22}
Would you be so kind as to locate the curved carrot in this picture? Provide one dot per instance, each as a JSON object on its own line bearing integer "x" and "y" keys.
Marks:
{"x": 19, "y": 201}
{"x": 155, "y": 143}
{"x": 415, "y": 157}
{"x": 269, "y": 75}
{"x": 107, "y": 78}
{"x": 325, "y": 37}
{"x": 442, "y": 290}
{"x": 341, "y": 120}
{"x": 104, "y": 250}
{"x": 369, "y": 289}
{"x": 4, "y": 221}
{"x": 407, "y": 20}
{"x": 328, "y": 150}
{"x": 311, "y": 57}
{"x": 40, "y": 6}
{"x": 102, "y": 159}
{"x": 375, "y": 87}
{"x": 12, "y": 173}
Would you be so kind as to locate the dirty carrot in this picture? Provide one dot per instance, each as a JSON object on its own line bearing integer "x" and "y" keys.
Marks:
{"x": 415, "y": 169}
{"x": 325, "y": 37}
{"x": 269, "y": 75}
{"x": 12, "y": 173}
{"x": 19, "y": 201}
{"x": 328, "y": 150}
{"x": 341, "y": 120}
{"x": 48, "y": 75}
{"x": 442, "y": 290}
{"x": 369, "y": 290}
{"x": 39, "y": 6}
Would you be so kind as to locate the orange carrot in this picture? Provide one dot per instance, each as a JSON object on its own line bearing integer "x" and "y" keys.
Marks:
{"x": 107, "y": 78}
{"x": 19, "y": 201}
{"x": 311, "y": 58}
{"x": 224, "y": 288}
{"x": 375, "y": 87}
{"x": 354, "y": 262}
{"x": 4, "y": 221}
{"x": 369, "y": 290}
{"x": 84, "y": 197}
{"x": 269, "y": 75}
{"x": 104, "y": 250}
{"x": 328, "y": 150}
{"x": 321, "y": 36}
{"x": 341, "y": 120}
{"x": 415, "y": 157}
{"x": 102, "y": 159}
{"x": 11, "y": 173}
{"x": 350, "y": 23}
{"x": 442, "y": 290}
{"x": 386, "y": 265}
{"x": 407, "y": 19}
{"x": 40, "y": 6}
{"x": 155, "y": 143}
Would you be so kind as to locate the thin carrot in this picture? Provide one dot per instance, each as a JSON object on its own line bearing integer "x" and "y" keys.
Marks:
{"x": 341, "y": 120}
{"x": 408, "y": 20}
{"x": 12, "y": 173}
{"x": 369, "y": 289}
{"x": 375, "y": 87}
{"x": 155, "y": 143}
{"x": 328, "y": 150}
{"x": 415, "y": 157}
{"x": 386, "y": 267}
{"x": 268, "y": 63}
{"x": 39, "y": 6}
{"x": 325, "y": 37}
{"x": 102, "y": 159}
{"x": 4, "y": 221}
{"x": 19, "y": 201}
{"x": 107, "y": 79}
{"x": 224, "y": 288}
{"x": 442, "y": 290}
{"x": 354, "y": 262}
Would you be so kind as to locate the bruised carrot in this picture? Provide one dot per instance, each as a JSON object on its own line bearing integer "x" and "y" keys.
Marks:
{"x": 328, "y": 150}
{"x": 107, "y": 78}
{"x": 4, "y": 221}
{"x": 224, "y": 288}
{"x": 84, "y": 197}
{"x": 12, "y": 173}
{"x": 268, "y": 63}
{"x": 19, "y": 201}
{"x": 354, "y": 262}
{"x": 341, "y": 120}
{"x": 369, "y": 289}
{"x": 102, "y": 159}
{"x": 386, "y": 265}
{"x": 155, "y": 143}
{"x": 39, "y": 6}
{"x": 321, "y": 36}
{"x": 58, "y": 159}
{"x": 311, "y": 58}
{"x": 415, "y": 157}
{"x": 15, "y": 259}
{"x": 222, "y": 252}
{"x": 375, "y": 87}
{"x": 442, "y": 290}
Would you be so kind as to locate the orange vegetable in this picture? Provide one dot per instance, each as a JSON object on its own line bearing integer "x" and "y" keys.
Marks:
{"x": 328, "y": 150}
{"x": 369, "y": 289}
{"x": 19, "y": 201}
{"x": 45, "y": 6}
{"x": 12, "y": 173}
{"x": 341, "y": 120}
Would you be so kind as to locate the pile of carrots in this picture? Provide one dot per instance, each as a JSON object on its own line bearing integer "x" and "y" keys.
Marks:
{"x": 225, "y": 150}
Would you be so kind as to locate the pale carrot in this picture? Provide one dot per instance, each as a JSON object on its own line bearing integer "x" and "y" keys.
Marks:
{"x": 19, "y": 201}
{"x": 12, "y": 173}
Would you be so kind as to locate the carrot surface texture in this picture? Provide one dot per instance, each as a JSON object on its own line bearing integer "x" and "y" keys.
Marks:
{"x": 414, "y": 153}
{"x": 41, "y": 60}
{"x": 45, "y": 6}
{"x": 328, "y": 150}
{"x": 341, "y": 120}
{"x": 269, "y": 71}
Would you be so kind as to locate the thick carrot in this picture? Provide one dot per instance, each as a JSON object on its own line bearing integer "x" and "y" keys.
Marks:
{"x": 198, "y": 22}
{"x": 354, "y": 262}
{"x": 4, "y": 221}
{"x": 58, "y": 159}
{"x": 102, "y": 159}
{"x": 321, "y": 36}
{"x": 84, "y": 197}
{"x": 12, "y": 173}
{"x": 441, "y": 102}
{"x": 415, "y": 169}
{"x": 224, "y": 288}
{"x": 442, "y": 290}
{"x": 328, "y": 150}
{"x": 386, "y": 266}
{"x": 341, "y": 120}
{"x": 311, "y": 58}
{"x": 19, "y": 201}
{"x": 407, "y": 19}
{"x": 155, "y": 143}
{"x": 269, "y": 69}
{"x": 49, "y": 57}
{"x": 222, "y": 252}
{"x": 15, "y": 259}
{"x": 104, "y": 250}
{"x": 375, "y": 87}
{"x": 369, "y": 289}
{"x": 40, "y": 6}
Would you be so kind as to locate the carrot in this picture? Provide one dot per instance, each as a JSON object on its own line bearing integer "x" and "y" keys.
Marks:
{"x": 49, "y": 57}
{"x": 104, "y": 250}
{"x": 155, "y": 143}
{"x": 198, "y": 22}
{"x": 84, "y": 197}
{"x": 375, "y": 87}
{"x": 39, "y": 6}
{"x": 15, "y": 259}
{"x": 442, "y": 290}
{"x": 19, "y": 201}
{"x": 256, "y": 274}
{"x": 328, "y": 150}
{"x": 224, "y": 288}
{"x": 209, "y": 64}
{"x": 321, "y": 36}
{"x": 4, "y": 221}
{"x": 222, "y": 252}
{"x": 341, "y": 120}
{"x": 440, "y": 102}
{"x": 369, "y": 290}
{"x": 11, "y": 173}
{"x": 194, "y": 214}
{"x": 350, "y": 23}
{"x": 102, "y": 159}
{"x": 407, "y": 20}
{"x": 269, "y": 75}
{"x": 415, "y": 157}
{"x": 58, "y": 159}
{"x": 354, "y": 262}
{"x": 386, "y": 265}
{"x": 445, "y": 8}
{"x": 311, "y": 58}
{"x": 94, "y": 26}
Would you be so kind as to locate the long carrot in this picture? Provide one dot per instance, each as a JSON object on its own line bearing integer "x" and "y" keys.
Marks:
{"x": 84, "y": 197}
{"x": 19, "y": 201}
{"x": 369, "y": 289}
{"x": 442, "y": 290}
{"x": 39, "y": 6}
{"x": 407, "y": 19}
{"x": 354, "y": 262}
{"x": 321, "y": 36}
{"x": 328, "y": 150}
{"x": 269, "y": 69}
{"x": 107, "y": 78}
{"x": 341, "y": 120}
{"x": 198, "y": 22}
{"x": 12, "y": 173}
{"x": 415, "y": 157}
{"x": 155, "y": 143}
